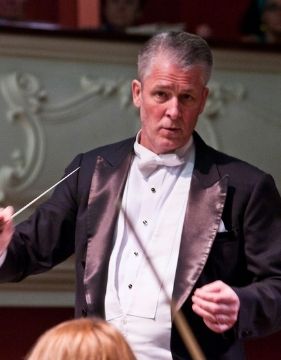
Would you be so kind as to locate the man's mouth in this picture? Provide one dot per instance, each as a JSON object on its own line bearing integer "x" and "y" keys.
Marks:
{"x": 170, "y": 129}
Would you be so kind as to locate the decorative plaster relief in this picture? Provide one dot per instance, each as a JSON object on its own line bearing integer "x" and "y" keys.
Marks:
{"x": 219, "y": 96}
{"x": 24, "y": 97}
{"x": 28, "y": 107}
{"x": 92, "y": 90}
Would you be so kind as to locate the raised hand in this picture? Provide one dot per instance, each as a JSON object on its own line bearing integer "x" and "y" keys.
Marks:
{"x": 6, "y": 227}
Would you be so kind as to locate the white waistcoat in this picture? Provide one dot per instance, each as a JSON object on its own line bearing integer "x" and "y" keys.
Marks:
{"x": 135, "y": 301}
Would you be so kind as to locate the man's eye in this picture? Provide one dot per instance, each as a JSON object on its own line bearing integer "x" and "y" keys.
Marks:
{"x": 161, "y": 95}
{"x": 186, "y": 97}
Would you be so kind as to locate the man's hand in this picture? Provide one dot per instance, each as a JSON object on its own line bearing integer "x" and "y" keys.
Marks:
{"x": 217, "y": 304}
{"x": 6, "y": 227}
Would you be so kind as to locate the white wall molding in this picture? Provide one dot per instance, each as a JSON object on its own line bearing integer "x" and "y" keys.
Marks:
{"x": 105, "y": 51}
{"x": 115, "y": 51}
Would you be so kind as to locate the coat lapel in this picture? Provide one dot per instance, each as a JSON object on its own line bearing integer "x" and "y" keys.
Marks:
{"x": 202, "y": 219}
{"x": 204, "y": 211}
{"x": 107, "y": 185}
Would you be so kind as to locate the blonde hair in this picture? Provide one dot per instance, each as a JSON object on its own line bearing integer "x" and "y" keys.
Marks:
{"x": 81, "y": 339}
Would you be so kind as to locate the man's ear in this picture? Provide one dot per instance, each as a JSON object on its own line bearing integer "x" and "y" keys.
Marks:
{"x": 136, "y": 92}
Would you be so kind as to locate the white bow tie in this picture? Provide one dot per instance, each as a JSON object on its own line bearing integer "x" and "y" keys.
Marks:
{"x": 149, "y": 163}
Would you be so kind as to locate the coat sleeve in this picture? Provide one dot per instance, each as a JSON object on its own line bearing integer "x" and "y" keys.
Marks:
{"x": 260, "y": 301}
{"x": 48, "y": 236}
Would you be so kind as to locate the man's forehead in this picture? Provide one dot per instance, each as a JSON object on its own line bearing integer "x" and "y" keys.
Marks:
{"x": 162, "y": 62}
{"x": 165, "y": 72}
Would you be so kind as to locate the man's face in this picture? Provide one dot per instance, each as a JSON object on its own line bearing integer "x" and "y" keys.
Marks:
{"x": 170, "y": 100}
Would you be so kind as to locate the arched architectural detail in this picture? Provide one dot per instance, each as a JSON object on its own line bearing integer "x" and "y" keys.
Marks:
{"x": 28, "y": 108}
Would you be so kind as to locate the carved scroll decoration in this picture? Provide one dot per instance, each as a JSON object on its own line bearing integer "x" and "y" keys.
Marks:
{"x": 219, "y": 96}
{"x": 92, "y": 90}
{"x": 24, "y": 97}
{"x": 28, "y": 107}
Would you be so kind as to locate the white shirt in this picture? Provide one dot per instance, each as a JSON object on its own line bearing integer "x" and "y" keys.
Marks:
{"x": 155, "y": 203}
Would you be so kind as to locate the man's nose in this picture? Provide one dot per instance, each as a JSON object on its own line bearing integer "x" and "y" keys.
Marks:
{"x": 173, "y": 109}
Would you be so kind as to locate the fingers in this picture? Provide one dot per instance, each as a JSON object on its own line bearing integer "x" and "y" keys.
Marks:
{"x": 217, "y": 304}
{"x": 220, "y": 320}
{"x": 212, "y": 288}
{"x": 217, "y": 327}
{"x": 6, "y": 212}
{"x": 6, "y": 227}
{"x": 5, "y": 217}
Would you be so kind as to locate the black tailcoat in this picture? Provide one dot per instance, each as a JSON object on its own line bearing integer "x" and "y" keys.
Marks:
{"x": 81, "y": 215}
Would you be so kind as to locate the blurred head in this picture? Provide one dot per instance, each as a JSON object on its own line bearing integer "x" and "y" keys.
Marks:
{"x": 81, "y": 339}
{"x": 173, "y": 71}
{"x": 262, "y": 21}
{"x": 271, "y": 19}
{"x": 119, "y": 14}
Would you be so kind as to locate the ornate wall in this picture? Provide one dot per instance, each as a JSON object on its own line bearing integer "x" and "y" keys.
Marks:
{"x": 61, "y": 96}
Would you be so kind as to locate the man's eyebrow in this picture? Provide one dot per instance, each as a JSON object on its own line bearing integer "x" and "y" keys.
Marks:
{"x": 171, "y": 87}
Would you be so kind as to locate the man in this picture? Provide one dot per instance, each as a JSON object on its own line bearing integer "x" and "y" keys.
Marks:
{"x": 210, "y": 223}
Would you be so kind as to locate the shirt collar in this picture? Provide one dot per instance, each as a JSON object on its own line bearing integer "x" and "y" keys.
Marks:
{"x": 182, "y": 152}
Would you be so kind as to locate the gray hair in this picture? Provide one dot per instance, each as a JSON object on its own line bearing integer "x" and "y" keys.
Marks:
{"x": 183, "y": 48}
